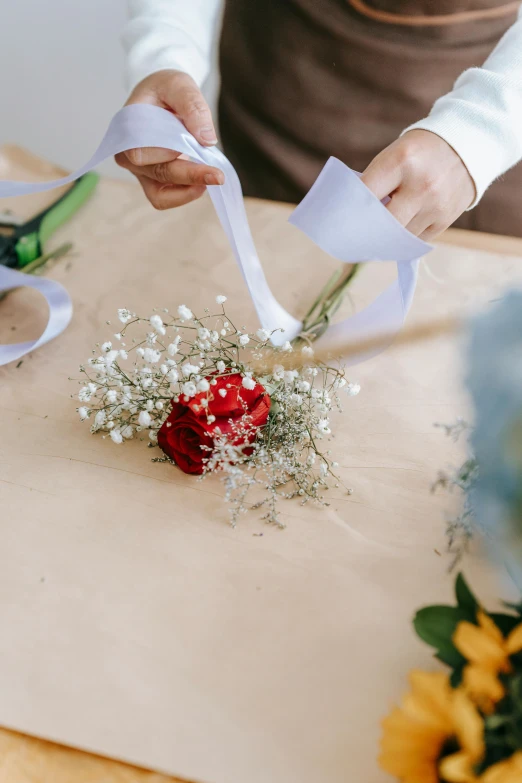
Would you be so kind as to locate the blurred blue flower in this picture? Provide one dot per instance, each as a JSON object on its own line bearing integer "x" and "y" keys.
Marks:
{"x": 495, "y": 381}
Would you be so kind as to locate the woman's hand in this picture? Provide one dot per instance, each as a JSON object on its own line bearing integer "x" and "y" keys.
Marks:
{"x": 429, "y": 185}
{"x": 168, "y": 178}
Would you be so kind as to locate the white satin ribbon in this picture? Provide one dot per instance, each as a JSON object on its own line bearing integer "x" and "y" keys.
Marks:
{"x": 60, "y": 311}
{"x": 339, "y": 214}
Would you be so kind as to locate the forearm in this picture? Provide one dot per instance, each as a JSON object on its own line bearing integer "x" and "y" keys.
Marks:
{"x": 164, "y": 34}
{"x": 481, "y": 118}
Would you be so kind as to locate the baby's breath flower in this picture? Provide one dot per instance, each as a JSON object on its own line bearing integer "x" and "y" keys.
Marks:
{"x": 112, "y": 395}
{"x": 189, "y": 389}
{"x": 151, "y": 356}
{"x": 116, "y": 436}
{"x": 123, "y": 354}
{"x": 189, "y": 369}
{"x": 84, "y": 413}
{"x": 307, "y": 351}
{"x": 221, "y": 299}
{"x": 124, "y": 315}
{"x": 128, "y": 431}
{"x": 248, "y": 383}
{"x": 222, "y": 392}
{"x": 110, "y": 357}
{"x": 263, "y": 334}
{"x": 144, "y": 419}
{"x": 203, "y": 385}
{"x": 106, "y": 347}
{"x": 220, "y": 366}
{"x": 153, "y": 436}
{"x": 353, "y": 389}
{"x": 244, "y": 339}
{"x": 203, "y": 333}
{"x": 157, "y": 323}
{"x": 185, "y": 313}
{"x": 323, "y": 425}
{"x": 173, "y": 348}
{"x": 287, "y": 346}
{"x": 84, "y": 395}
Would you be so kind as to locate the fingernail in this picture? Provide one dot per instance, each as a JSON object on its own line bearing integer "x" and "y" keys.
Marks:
{"x": 208, "y": 135}
{"x": 214, "y": 179}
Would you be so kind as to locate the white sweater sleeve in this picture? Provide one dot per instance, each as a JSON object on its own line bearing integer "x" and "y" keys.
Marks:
{"x": 169, "y": 34}
{"x": 481, "y": 118}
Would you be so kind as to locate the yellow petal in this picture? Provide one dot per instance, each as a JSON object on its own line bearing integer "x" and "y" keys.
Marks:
{"x": 410, "y": 746}
{"x": 469, "y": 726}
{"x": 430, "y": 699}
{"x": 457, "y": 769}
{"x": 478, "y": 646}
{"x": 514, "y": 640}
{"x": 509, "y": 771}
{"x": 483, "y": 687}
{"x": 489, "y": 625}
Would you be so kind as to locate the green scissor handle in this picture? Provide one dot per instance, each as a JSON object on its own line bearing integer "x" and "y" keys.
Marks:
{"x": 31, "y": 246}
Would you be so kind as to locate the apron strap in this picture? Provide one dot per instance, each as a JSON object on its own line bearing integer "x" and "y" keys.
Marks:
{"x": 436, "y": 20}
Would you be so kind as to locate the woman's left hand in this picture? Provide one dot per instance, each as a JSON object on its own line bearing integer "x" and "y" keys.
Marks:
{"x": 429, "y": 185}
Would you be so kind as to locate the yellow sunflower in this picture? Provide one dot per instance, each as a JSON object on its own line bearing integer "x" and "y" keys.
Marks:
{"x": 488, "y": 653}
{"x": 433, "y": 717}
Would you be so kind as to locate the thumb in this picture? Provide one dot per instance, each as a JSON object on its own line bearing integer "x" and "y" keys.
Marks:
{"x": 184, "y": 97}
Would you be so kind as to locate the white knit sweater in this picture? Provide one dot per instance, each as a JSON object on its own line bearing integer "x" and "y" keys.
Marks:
{"x": 481, "y": 118}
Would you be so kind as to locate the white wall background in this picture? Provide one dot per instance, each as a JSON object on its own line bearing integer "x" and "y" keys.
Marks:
{"x": 61, "y": 76}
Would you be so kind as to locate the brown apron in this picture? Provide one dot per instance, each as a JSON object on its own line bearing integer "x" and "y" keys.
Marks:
{"x": 306, "y": 79}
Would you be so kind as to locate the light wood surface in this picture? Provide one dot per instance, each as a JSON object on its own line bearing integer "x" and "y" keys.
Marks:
{"x": 28, "y": 760}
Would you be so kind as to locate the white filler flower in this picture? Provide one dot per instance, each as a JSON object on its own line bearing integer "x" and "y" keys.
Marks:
{"x": 185, "y": 313}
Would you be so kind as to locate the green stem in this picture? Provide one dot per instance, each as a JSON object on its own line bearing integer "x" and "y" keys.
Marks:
{"x": 54, "y": 255}
{"x": 319, "y": 316}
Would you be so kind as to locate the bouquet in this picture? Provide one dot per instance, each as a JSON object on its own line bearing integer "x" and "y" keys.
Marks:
{"x": 217, "y": 399}
{"x": 463, "y": 725}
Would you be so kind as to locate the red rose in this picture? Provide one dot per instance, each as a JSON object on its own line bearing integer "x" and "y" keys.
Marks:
{"x": 186, "y": 429}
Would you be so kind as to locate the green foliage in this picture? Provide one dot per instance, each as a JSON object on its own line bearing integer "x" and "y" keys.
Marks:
{"x": 436, "y": 625}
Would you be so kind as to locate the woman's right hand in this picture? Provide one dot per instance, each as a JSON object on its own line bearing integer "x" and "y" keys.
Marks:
{"x": 168, "y": 178}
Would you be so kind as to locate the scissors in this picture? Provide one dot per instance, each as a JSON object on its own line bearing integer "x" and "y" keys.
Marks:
{"x": 22, "y": 243}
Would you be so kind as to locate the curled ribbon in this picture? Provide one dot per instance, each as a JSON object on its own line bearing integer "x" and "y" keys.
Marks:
{"x": 339, "y": 213}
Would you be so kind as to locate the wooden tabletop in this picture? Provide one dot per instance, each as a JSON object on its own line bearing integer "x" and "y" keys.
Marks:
{"x": 26, "y": 759}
